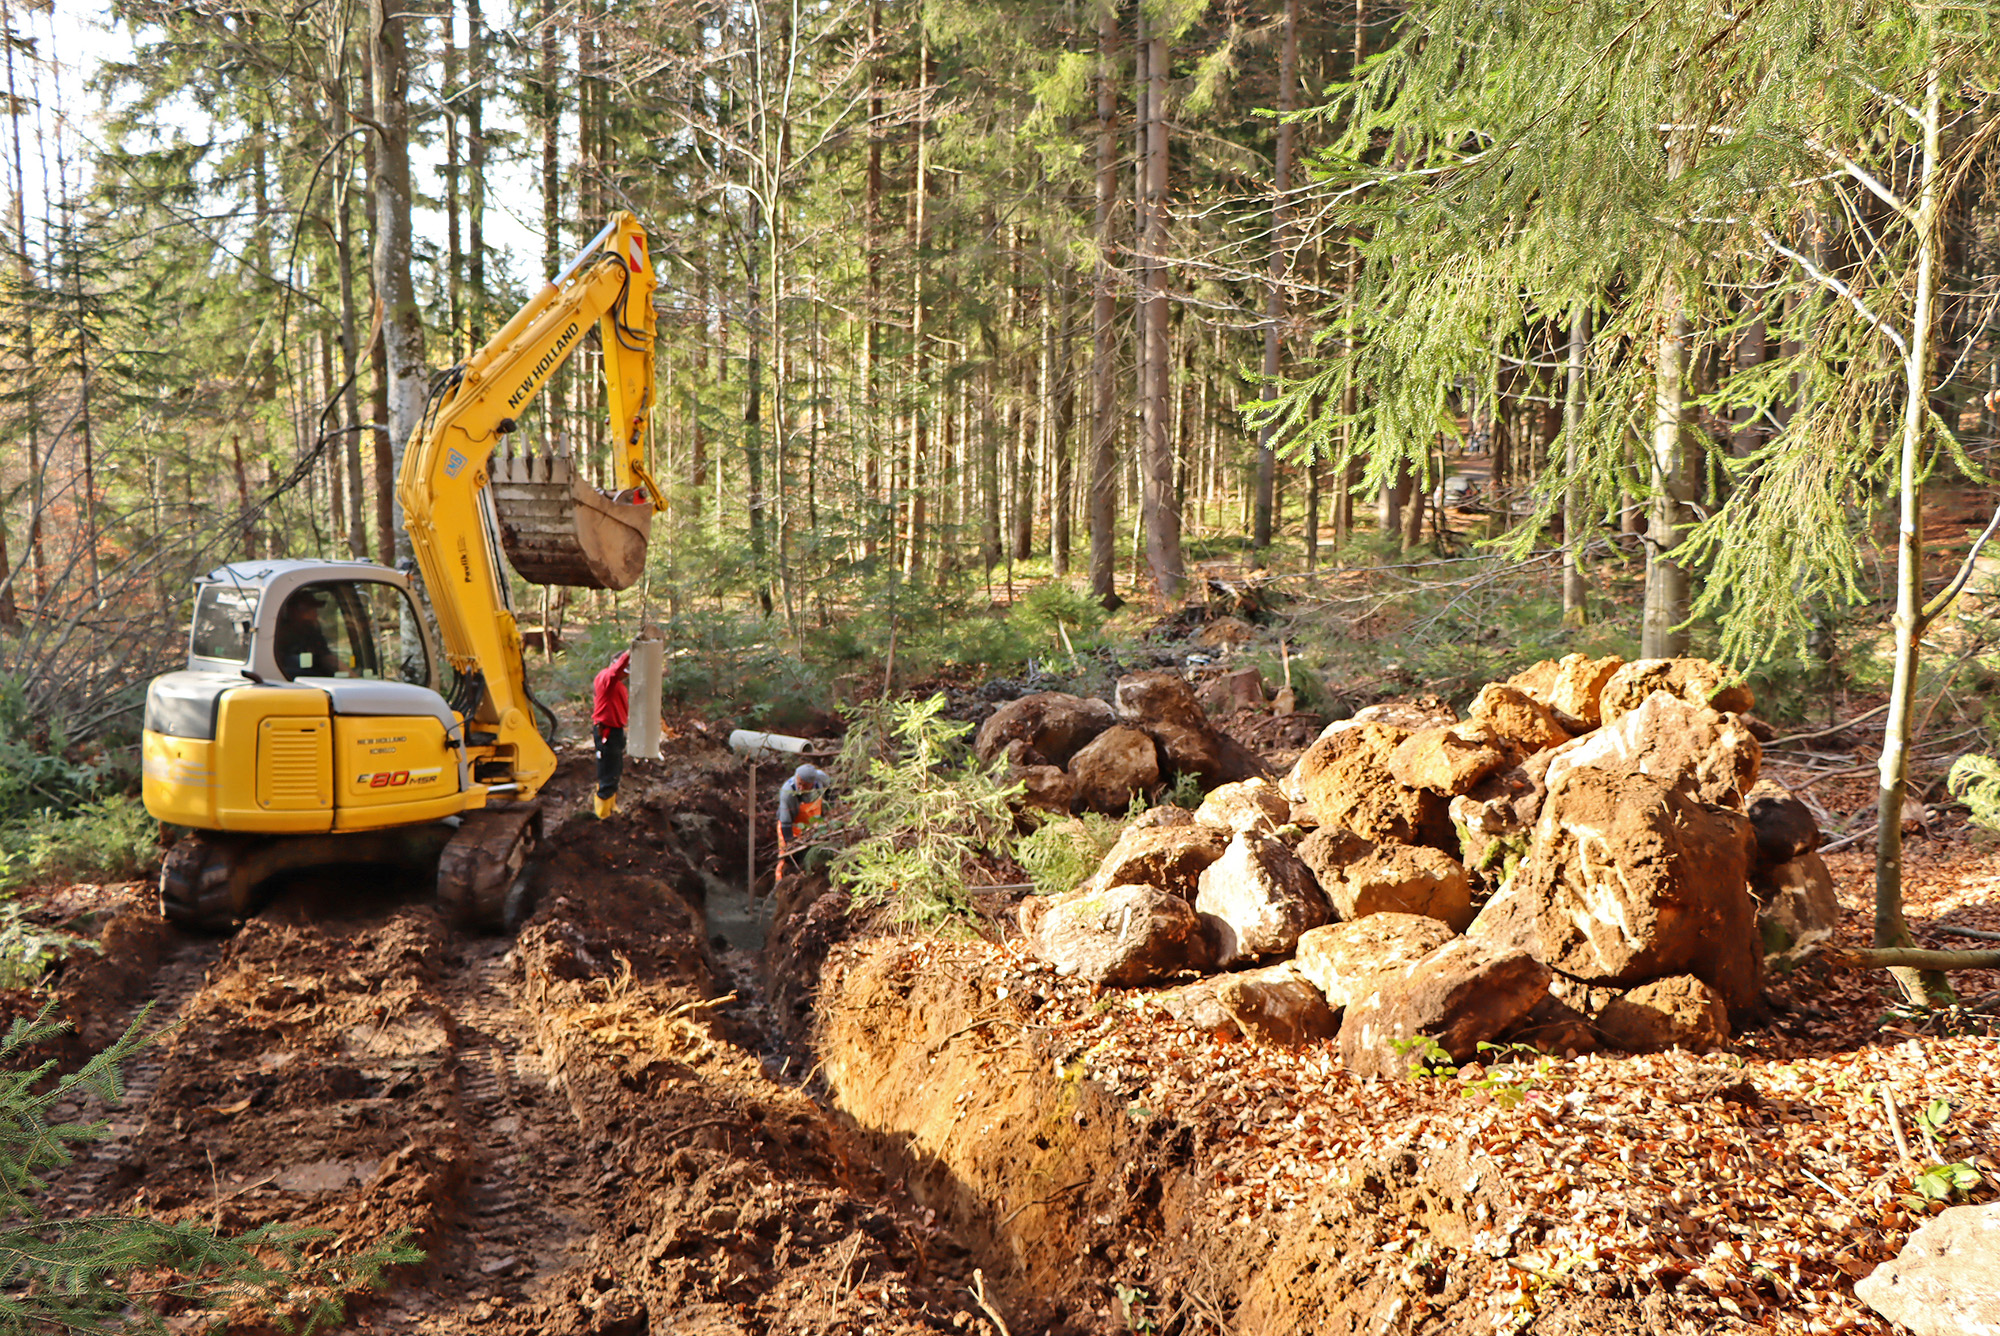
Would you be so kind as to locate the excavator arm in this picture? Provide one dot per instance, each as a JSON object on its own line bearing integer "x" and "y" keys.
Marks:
{"x": 447, "y": 467}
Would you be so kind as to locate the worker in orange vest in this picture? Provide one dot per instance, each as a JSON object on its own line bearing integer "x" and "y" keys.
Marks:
{"x": 800, "y": 800}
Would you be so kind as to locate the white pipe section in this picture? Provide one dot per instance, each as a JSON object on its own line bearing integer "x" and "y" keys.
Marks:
{"x": 766, "y": 746}
{"x": 642, "y": 736}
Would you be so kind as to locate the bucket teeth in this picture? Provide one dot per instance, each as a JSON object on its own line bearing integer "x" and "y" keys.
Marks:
{"x": 559, "y": 530}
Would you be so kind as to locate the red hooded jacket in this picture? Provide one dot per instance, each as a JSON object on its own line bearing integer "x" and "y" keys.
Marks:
{"x": 609, "y": 704}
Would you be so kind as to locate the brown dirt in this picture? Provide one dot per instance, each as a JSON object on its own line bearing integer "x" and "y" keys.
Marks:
{"x": 612, "y": 1123}
{"x": 576, "y": 1125}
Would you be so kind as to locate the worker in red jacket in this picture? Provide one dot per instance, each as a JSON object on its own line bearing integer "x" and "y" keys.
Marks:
{"x": 608, "y": 710}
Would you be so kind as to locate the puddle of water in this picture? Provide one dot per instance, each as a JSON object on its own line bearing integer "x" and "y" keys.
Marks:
{"x": 737, "y": 917}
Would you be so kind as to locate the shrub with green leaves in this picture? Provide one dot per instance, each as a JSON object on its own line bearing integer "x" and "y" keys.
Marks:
{"x": 1063, "y": 850}
{"x": 112, "y": 839}
{"x": 927, "y": 811}
{"x": 1975, "y": 781}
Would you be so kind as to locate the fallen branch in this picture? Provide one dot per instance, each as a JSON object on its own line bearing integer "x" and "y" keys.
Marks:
{"x": 1957, "y": 931}
{"x": 1910, "y": 957}
{"x": 1825, "y": 732}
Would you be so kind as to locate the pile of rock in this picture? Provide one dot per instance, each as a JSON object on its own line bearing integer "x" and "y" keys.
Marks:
{"x": 1077, "y": 753}
{"x": 1587, "y": 858}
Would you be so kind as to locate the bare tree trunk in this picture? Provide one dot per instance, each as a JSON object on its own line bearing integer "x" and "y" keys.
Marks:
{"x": 1912, "y": 618}
{"x": 1576, "y": 592}
{"x": 919, "y": 351}
{"x": 1274, "y": 292}
{"x": 871, "y": 337}
{"x": 349, "y": 450}
{"x": 1063, "y": 361}
{"x": 1104, "y": 332}
{"x": 454, "y": 241}
{"x": 25, "y": 272}
{"x": 402, "y": 323}
{"x": 475, "y": 172}
{"x": 1162, "y": 515}
{"x": 1674, "y": 471}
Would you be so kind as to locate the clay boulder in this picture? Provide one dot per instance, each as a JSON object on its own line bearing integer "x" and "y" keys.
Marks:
{"x": 1275, "y": 1005}
{"x": 1629, "y": 880}
{"x": 1709, "y": 756}
{"x": 1257, "y": 899}
{"x": 1572, "y": 687}
{"x": 1170, "y": 856}
{"x": 1696, "y": 681}
{"x": 1120, "y": 937}
{"x": 1391, "y": 879}
{"x": 1111, "y": 767}
{"x": 1054, "y": 724}
{"x": 1341, "y": 958}
{"x": 1461, "y": 995}
{"x": 1163, "y": 706}
{"x": 1250, "y": 804}
{"x": 1344, "y": 778}
{"x": 1680, "y": 1012}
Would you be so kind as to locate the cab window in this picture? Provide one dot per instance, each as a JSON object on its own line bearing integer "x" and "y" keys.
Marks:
{"x": 223, "y": 618}
{"x": 350, "y": 628}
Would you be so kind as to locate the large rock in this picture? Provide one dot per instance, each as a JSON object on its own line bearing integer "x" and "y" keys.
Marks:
{"x": 1400, "y": 879}
{"x": 1046, "y": 787}
{"x": 1681, "y": 1012}
{"x": 1410, "y": 715}
{"x": 1162, "y": 705}
{"x": 1257, "y": 899}
{"x": 1460, "y": 995}
{"x": 1170, "y": 857}
{"x": 1341, "y": 958}
{"x": 1052, "y": 723}
{"x": 1629, "y": 880}
{"x": 1711, "y": 757}
{"x": 1111, "y": 767}
{"x": 1785, "y": 826}
{"x": 1696, "y": 681}
{"x": 1238, "y": 689}
{"x": 1273, "y": 1005}
{"x": 1327, "y": 852}
{"x": 1946, "y": 1280}
{"x": 1445, "y": 760}
{"x": 1251, "y": 804}
{"x": 1797, "y": 909}
{"x": 1572, "y": 687}
{"x": 1515, "y": 715}
{"x": 1494, "y": 822}
{"x": 1344, "y": 778}
{"x": 1122, "y": 936}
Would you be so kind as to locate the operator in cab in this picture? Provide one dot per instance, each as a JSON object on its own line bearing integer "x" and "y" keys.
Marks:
{"x": 610, "y": 706}
{"x": 300, "y": 641}
{"x": 801, "y": 801}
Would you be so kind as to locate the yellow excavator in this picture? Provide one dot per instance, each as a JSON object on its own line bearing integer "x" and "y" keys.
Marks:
{"x": 312, "y": 725}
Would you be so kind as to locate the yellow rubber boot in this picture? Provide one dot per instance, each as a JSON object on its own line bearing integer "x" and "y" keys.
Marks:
{"x": 606, "y": 806}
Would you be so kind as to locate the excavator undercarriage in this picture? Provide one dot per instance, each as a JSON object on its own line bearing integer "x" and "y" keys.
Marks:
{"x": 213, "y": 880}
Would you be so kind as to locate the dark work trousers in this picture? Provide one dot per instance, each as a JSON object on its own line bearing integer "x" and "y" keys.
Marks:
{"x": 610, "y": 759}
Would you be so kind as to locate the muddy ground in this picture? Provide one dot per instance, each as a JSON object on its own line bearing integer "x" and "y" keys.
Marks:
{"x": 622, "y": 1119}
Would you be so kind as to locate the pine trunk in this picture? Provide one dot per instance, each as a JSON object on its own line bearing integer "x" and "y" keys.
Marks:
{"x": 1104, "y": 327}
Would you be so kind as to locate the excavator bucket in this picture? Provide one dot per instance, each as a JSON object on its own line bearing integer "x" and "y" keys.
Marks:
{"x": 559, "y": 530}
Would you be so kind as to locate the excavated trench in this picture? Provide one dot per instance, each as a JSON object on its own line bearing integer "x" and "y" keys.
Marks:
{"x": 667, "y": 1106}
